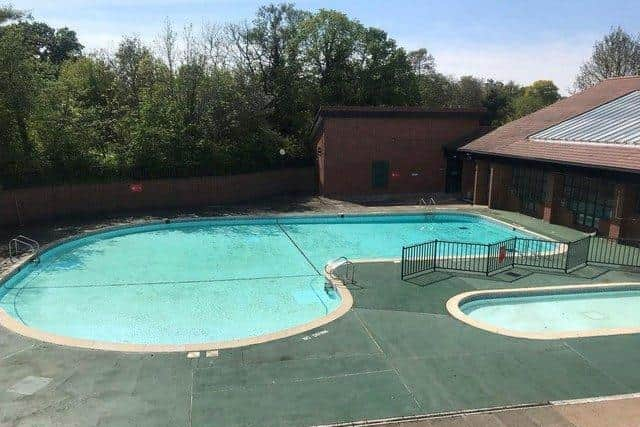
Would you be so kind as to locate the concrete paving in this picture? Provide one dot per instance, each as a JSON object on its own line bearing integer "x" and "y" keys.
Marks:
{"x": 397, "y": 353}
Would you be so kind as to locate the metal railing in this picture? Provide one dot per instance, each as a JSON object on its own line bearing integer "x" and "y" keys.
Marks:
{"x": 427, "y": 201}
{"x": 21, "y": 241}
{"x": 623, "y": 252}
{"x": 349, "y": 274}
{"x": 500, "y": 256}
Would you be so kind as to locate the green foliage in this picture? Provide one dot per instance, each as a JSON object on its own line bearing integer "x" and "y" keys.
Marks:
{"x": 540, "y": 94}
{"x": 616, "y": 55}
{"x": 227, "y": 102}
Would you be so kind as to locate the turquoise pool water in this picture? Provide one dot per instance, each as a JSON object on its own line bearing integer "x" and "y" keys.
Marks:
{"x": 212, "y": 280}
{"x": 564, "y": 312}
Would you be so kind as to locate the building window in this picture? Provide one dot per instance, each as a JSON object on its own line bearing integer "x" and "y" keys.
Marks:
{"x": 528, "y": 185}
{"x": 590, "y": 200}
{"x": 380, "y": 174}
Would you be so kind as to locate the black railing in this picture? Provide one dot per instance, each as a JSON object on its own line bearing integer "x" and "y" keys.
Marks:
{"x": 623, "y": 252}
{"x": 538, "y": 253}
{"x": 419, "y": 258}
{"x": 500, "y": 256}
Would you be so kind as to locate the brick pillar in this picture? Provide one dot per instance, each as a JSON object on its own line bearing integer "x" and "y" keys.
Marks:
{"x": 554, "y": 184}
{"x": 481, "y": 183}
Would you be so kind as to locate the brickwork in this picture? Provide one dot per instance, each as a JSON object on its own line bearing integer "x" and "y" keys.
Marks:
{"x": 52, "y": 202}
{"x": 413, "y": 146}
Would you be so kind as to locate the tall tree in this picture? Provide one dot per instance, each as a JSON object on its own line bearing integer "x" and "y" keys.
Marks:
{"x": 617, "y": 55}
{"x": 47, "y": 43}
{"x": 385, "y": 76}
{"x": 269, "y": 49}
{"x": 422, "y": 62}
{"x": 329, "y": 40}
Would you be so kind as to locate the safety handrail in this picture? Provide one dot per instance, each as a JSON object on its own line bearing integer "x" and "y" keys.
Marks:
{"x": 331, "y": 266}
{"x": 14, "y": 245}
{"x": 430, "y": 201}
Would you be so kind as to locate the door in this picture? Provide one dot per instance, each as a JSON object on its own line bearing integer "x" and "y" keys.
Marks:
{"x": 380, "y": 174}
{"x": 453, "y": 182}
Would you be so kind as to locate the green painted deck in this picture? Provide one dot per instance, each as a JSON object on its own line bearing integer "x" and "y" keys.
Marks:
{"x": 396, "y": 353}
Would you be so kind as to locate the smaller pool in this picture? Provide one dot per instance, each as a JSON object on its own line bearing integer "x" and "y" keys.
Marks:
{"x": 552, "y": 312}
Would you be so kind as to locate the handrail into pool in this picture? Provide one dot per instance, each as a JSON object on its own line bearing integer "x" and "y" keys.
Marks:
{"x": 454, "y": 308}
{"x": 331, "y": 266}
{"x": 31, "y": 244}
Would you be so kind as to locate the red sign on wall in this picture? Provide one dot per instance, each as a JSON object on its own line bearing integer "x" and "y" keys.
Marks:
{"x": 136, "y": 188}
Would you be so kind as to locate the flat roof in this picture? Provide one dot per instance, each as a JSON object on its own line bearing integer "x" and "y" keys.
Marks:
{"x": 595, "y": 128}
{"x": 343, "y": 111}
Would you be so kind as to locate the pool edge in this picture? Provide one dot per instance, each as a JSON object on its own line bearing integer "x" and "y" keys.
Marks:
{"x": 14, "y": 325}
{"x": 454, "y": 303}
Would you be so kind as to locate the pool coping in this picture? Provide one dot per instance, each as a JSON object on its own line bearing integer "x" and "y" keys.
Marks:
{"x": 346, "y": 303}
{"x": 454, "y": 303}
{"x": 18, "y": 327}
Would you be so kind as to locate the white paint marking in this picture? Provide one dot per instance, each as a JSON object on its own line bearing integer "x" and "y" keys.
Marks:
{"x": 29, "y": 385}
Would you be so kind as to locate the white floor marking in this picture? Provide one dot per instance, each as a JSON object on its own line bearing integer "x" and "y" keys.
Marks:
{"x": 29, "y": 385}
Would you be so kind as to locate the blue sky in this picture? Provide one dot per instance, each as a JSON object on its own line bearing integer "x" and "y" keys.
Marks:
{"x": 501, "y": 39}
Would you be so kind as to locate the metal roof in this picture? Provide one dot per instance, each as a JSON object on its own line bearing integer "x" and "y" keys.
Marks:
{"x": 616, "y": 122}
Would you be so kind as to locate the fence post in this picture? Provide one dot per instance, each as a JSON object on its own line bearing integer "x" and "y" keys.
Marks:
{"x": 513, "y": 254}
{"x": 566, "y": 258}
{"x": 402, "y": 264}
{"x": 435, "y": 254}
{"x": 487, "y": 265}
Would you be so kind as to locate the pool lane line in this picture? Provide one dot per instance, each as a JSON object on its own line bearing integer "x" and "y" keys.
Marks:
{"x": 298, "y": 248}
{"x": 179, "y": 282}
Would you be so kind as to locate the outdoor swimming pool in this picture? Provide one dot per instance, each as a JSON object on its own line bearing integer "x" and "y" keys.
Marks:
{"x": 557, "y": 312}
{"x": 212, "y": 280}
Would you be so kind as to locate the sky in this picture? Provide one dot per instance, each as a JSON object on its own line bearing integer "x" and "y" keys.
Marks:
{"x": 517, "y": 40}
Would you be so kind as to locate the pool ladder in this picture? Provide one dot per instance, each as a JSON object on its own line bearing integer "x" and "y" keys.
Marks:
{"x": 427, "y": 202}
{"x": 32, "y": 246}
{"x": 349, "y": 276}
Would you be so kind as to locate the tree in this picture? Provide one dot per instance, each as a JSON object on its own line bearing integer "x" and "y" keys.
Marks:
{"x": 540, "y": 94}
{"x": 468, "y": 92}
{"x": 422, "y": 62}
{"x": 47, "y": 43}
{"x": 498, "y": 100}
{"x": 329, "y": 40}
{"x": 270, "y": 54}
{"x": 617, "y": 55}
{"x": 8, "y": 13}
{"x": 384, "y": 75}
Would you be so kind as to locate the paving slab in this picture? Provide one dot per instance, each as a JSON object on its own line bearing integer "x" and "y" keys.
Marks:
{"x": 418, "y": 335}
{"x": 289, "y": 371}
{"x": 500, "y": 379}
{"x": 319, "y": 401}
{"x": 344, "y": 337}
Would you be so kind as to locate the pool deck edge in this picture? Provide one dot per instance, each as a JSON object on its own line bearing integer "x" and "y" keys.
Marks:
{"x": 18, "y": 327}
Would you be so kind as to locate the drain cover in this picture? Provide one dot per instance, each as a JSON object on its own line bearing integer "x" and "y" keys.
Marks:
{"x": 29, "y": 385}
{"x": 513, "y": 274}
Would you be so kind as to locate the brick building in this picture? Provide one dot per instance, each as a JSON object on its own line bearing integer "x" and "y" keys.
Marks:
{"x": 575, "y": 163}
{"x": 385, "y": 150}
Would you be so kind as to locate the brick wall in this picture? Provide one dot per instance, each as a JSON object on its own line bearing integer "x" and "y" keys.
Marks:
{"x": 412, "y": 145}
{"x": 53, "y": 202}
